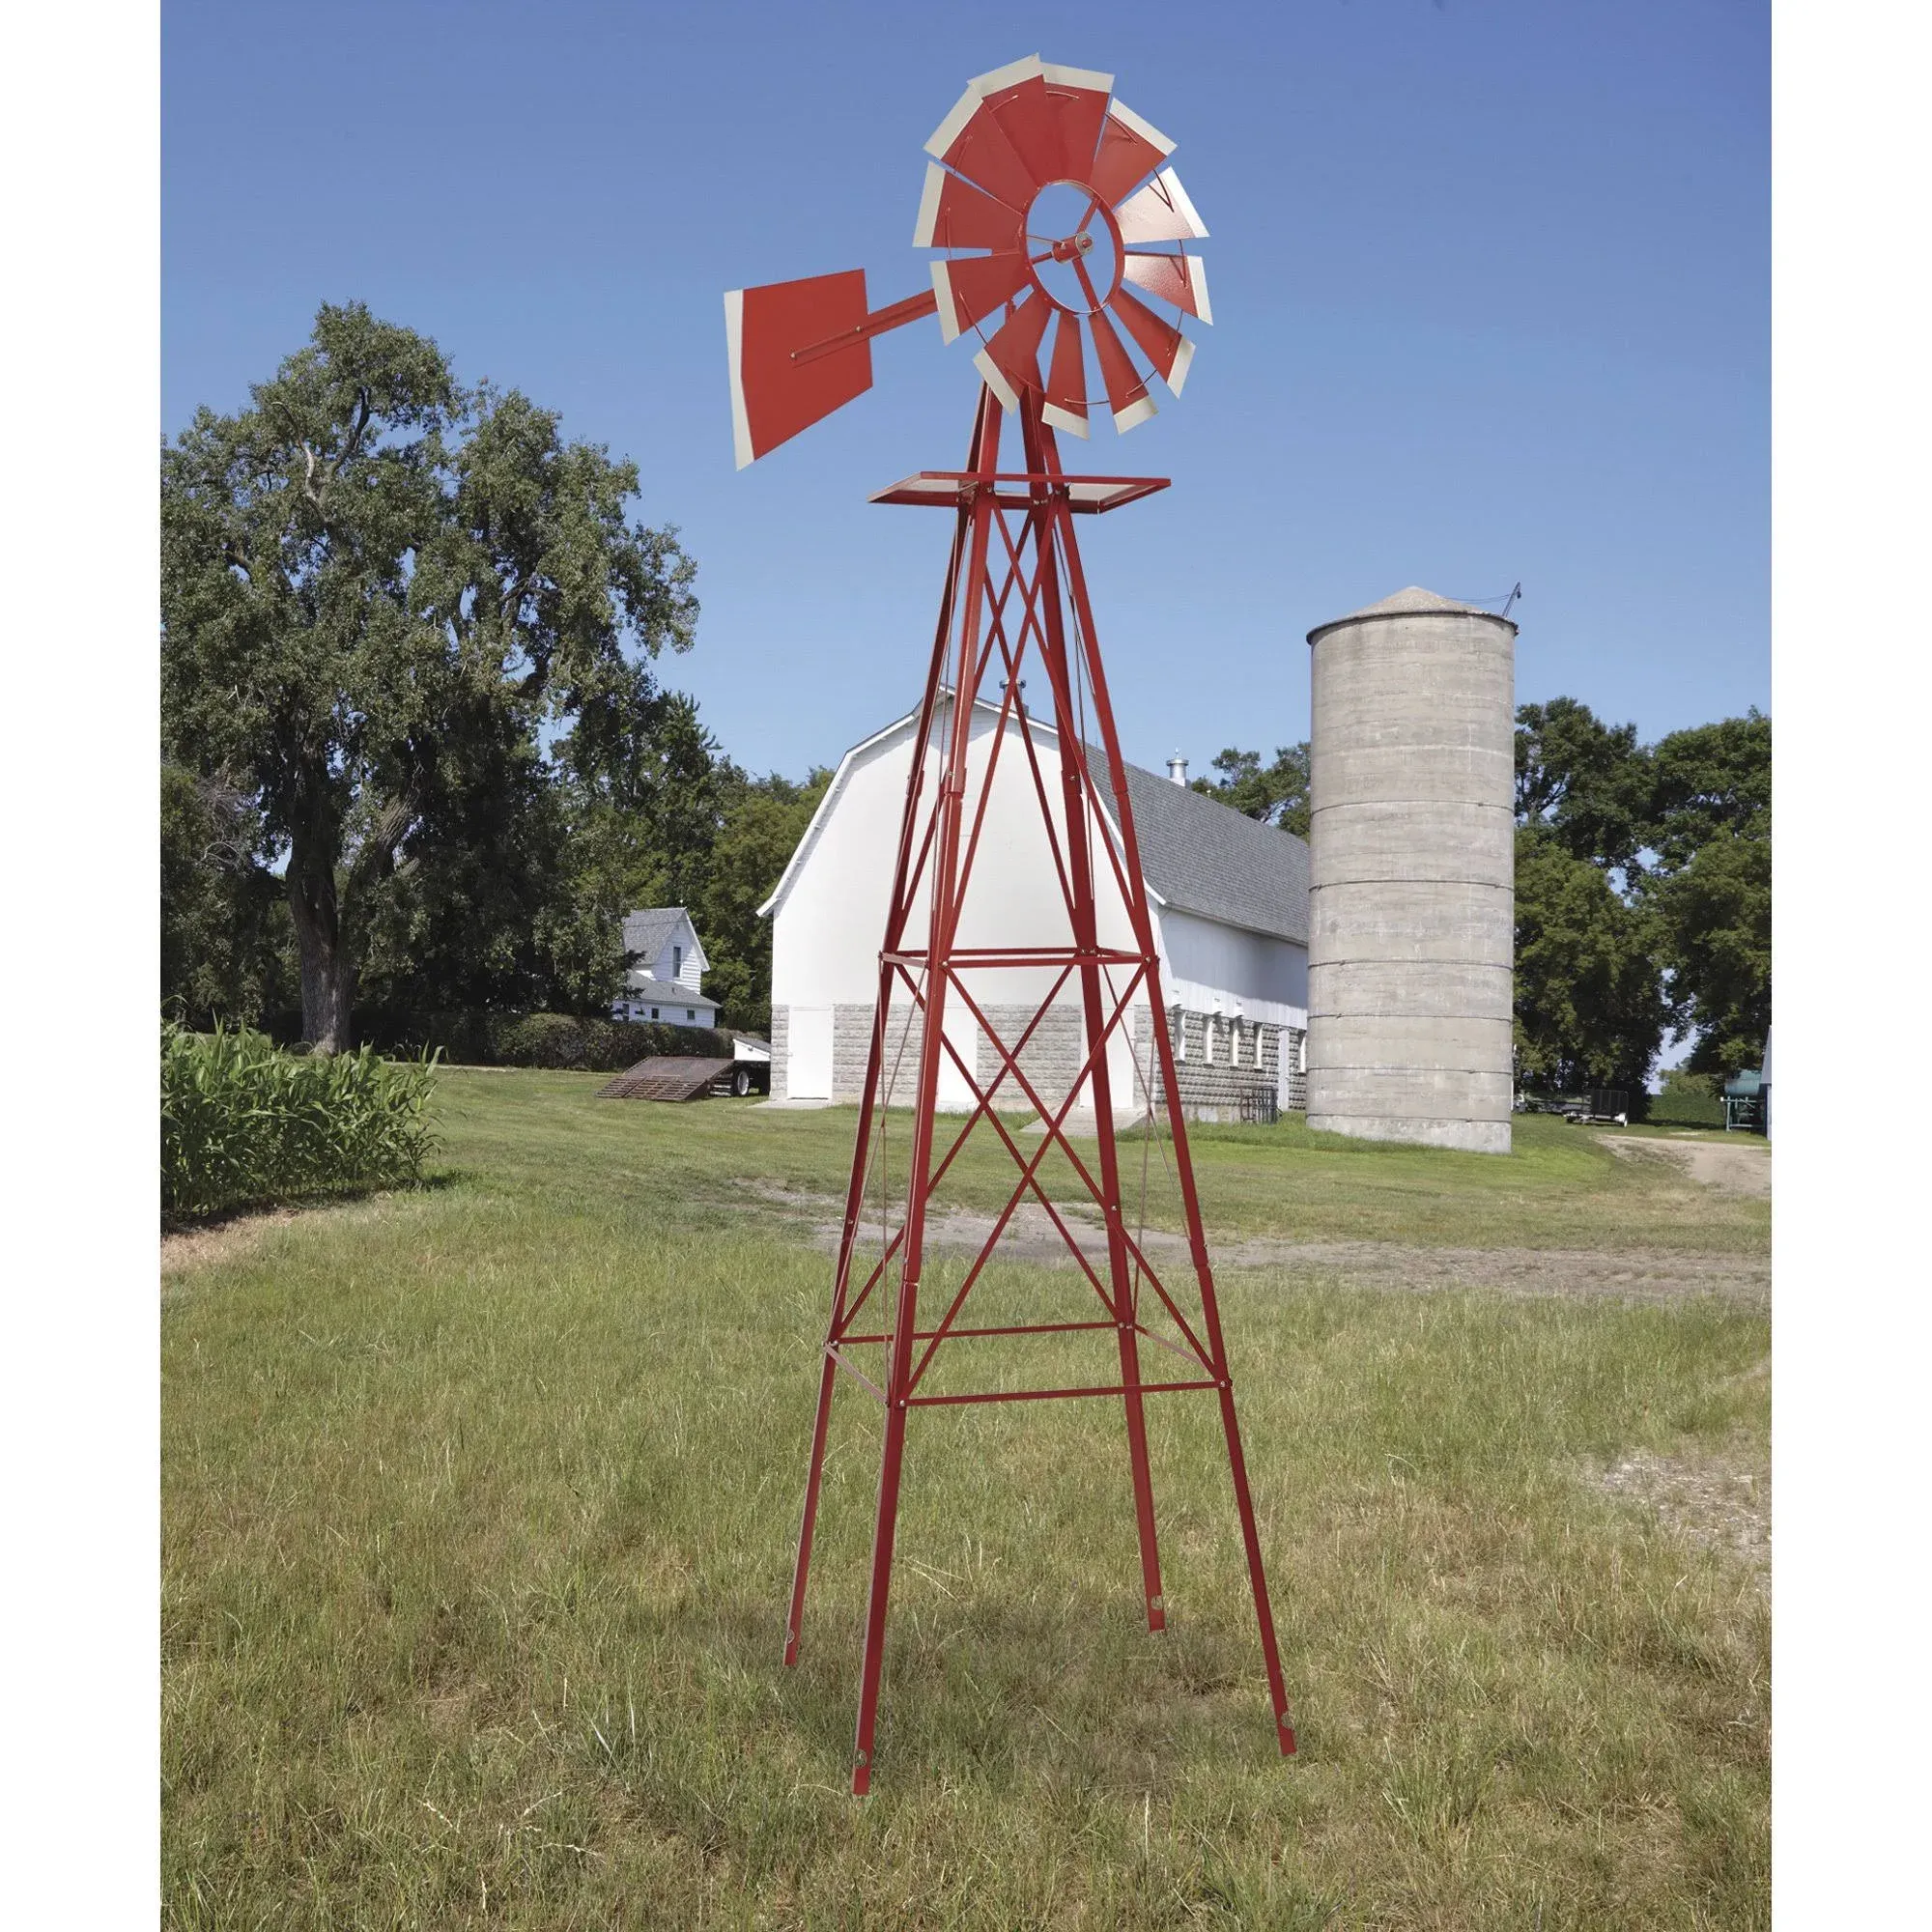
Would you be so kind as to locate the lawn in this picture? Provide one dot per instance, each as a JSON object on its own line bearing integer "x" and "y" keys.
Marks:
{"x": 479, "y": 1504}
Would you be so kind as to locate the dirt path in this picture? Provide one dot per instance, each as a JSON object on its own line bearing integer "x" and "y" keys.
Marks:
{"x": 1717, "y": 1498}
{"x": 1732, "y": 1167}
{"x": 1643, "y": 1275}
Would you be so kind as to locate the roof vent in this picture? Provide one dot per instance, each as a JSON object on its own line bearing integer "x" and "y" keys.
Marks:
{"x": 1177, "y": 769}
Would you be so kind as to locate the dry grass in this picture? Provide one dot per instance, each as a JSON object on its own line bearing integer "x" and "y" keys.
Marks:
{"x": 479, "y": 1509}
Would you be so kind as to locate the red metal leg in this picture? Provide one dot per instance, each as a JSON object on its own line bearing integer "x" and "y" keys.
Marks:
{"x": 884, "y": 1532}
{"x": 1251, "y": 1538}
{"x": 795, "y": 1620}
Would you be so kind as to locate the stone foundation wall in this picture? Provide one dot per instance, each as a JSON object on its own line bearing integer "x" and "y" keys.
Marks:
{"x": 781, "y": 1053}
{"x": 1222, "y": 1060}
{"x": 1295, "y": 1049}
{"x": 1050, "y": 1059}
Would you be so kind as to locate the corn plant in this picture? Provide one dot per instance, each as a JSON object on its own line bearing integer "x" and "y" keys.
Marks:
{"x": 244, "y": 1123}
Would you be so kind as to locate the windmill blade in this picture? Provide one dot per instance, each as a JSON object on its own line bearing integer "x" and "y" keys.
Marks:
{"x": 1066, "y": 405}
{"x": 1079, "y": 100}
{"x": 1126, "y": 388}
{"x": 1182, "y": 280}
{"x": 1026, "y": 117}
{"x": 1160, "y": 212}
{"x": 971, "y": 141}
{"x": 1010, "y": 361}
{"x": 773, "y": 396}
{"x": 1129, "y": 150}
{"x": 971, "y": 286}
{"x": 1161, "y": 342}
{"x": 954, "y": 214}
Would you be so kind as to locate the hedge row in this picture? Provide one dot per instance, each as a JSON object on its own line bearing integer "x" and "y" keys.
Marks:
{"x": 531, "y": 1039}
{"x": 244, "y": 1123}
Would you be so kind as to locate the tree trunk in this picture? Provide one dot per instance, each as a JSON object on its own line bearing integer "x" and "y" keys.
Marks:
{"x": 328, "y": 972}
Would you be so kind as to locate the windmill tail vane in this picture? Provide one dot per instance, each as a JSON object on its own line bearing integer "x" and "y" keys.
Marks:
{"x": 1057, "y": 223}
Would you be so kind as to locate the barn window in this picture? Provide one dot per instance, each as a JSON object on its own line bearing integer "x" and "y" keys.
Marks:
{"x": 1179, "y": 1034}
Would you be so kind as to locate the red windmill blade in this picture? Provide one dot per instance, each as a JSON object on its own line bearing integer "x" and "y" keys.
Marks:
{"x": 1015, "y": 140}
{"x": 1046, "y": 198}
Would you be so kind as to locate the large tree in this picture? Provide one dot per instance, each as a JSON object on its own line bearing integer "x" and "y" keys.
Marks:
{"x": 1590, "y": 1010}
{"x": 762, "y": 827}
{"x": 225, "y": 939}
{"x": 390, "y": 604}
{"x": 1587, "y": 782}
{"x": 1708, "y": 884}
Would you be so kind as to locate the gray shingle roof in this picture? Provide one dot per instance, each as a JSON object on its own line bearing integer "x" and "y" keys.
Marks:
{"x": 667, "y": 992}
{"x": 648, "y": 932}
{"x": 1205, "y": 857}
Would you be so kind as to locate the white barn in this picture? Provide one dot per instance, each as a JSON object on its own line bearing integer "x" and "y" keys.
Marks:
{"x": 1229, "y": 897}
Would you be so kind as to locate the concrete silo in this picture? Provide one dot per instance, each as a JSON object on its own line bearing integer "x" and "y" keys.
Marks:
{"x": 1412, "y": 873}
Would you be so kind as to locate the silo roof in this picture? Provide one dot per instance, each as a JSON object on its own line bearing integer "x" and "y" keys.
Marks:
{"x": 1413, "y": 601}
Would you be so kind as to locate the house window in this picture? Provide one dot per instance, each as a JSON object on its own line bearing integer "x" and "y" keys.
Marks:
{"x": 677, "y": 962}
{"x": 654, "y": 1012}
{"x": 1179, "y": 1035}
{"x": 690, "y": 1013}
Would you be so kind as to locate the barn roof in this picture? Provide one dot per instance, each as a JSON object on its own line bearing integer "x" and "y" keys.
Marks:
{"x": 1198, "y": 855}
{"x": 1205, "y": 858}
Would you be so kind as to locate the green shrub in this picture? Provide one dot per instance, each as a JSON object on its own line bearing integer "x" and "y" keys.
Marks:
{"x": 590, "y": 1046}
{"x": 1687, "y": 1100}
{"x": 244, "y": 1123}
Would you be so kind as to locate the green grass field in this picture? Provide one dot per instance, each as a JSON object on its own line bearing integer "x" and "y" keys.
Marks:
{"x": 479, "y": 1506}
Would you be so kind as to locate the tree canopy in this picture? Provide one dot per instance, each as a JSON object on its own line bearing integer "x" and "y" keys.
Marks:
{"x": 396, "y": 616}
{"x": 1590, "y": 1010}
{"x": 1682, "y": 832}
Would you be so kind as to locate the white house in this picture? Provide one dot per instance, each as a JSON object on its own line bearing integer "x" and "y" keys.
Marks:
{"x": 668, "y": 980}
{"x": 1229, "y": 897}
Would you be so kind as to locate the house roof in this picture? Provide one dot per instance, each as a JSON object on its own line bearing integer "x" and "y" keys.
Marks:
{"x": 666, "y": 992}
{"x": 648, "y": 930}
{"x": 1197, "y": 854}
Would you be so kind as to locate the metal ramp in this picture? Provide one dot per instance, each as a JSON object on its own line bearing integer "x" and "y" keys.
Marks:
{"x": 666, "y": 1079}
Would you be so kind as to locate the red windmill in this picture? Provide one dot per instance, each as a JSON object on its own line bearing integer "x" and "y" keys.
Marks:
{"x": 1055, "y": 207}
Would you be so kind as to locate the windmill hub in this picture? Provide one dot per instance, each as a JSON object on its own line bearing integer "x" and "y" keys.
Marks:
{"x": 1072, "y": 248}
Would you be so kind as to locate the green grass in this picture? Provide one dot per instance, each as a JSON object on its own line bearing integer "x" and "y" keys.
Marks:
{"x": 479, "y": 1508}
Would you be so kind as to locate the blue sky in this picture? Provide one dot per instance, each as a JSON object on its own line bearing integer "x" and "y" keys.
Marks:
{"x": 1492, "y": 297}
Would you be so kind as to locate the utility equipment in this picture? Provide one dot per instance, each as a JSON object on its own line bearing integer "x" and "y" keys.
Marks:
{"x": 1057, "y": 224}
